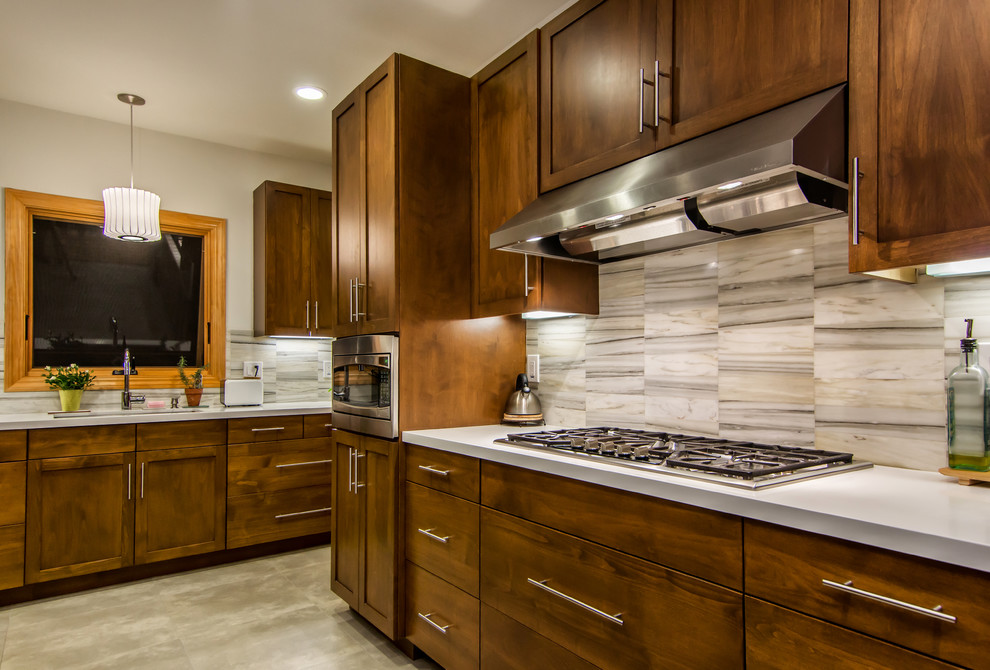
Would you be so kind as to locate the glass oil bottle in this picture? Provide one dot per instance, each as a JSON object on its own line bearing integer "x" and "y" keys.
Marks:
{"x": 969, "y": 433}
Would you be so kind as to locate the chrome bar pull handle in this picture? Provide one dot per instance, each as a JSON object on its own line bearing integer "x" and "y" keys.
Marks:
{"x": 657, "y": 75}
{"x": 642, "y": 83}
{"x": 526, "y": 271}
{"x": 358, "y": 285}
{"x": 307, "y": 315}
{"x": 614, "y": 618}
{"x": 296, "y": 465}
{"x": 357, "y": 486}
{"x": 854, "y": 206}
{"x": 428, "y": 532}
{"x": 265, "y": 430}
{"x": 316, "y": 314}
{"x": 309, "y": 511}
{"x": 350, "y": 470}
{"x": 934, "y": 612}
{"x": 350, "y": 296}
{"x": 128, "y": 481}
{"x": 427, "y": 619}
{"x": 142, "y": 481}
{"x": 435, "y": 471}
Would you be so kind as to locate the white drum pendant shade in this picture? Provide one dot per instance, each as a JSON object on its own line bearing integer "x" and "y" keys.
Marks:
{"x": 131, "y": 214}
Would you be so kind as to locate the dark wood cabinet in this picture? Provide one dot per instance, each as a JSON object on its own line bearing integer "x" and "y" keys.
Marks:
{"x": 811, "y": 573}
{"x": 180, "y": 502}
{"x": 780, "y": 639}
{"x": 505, "y": 178}
{"x": 13, "y": 483}
{"x": 442, "y": 620}
{"x": 623, "y": 78}
{"x": 508, "y": 645}
{"x": 366, "y": 214}
{"x": 917, "y": 111}
{"x": 365, "y": 551}
{"x": 279, "y": 481}
{"x": 292, "y": 257}
{"x": 80, "y": 515}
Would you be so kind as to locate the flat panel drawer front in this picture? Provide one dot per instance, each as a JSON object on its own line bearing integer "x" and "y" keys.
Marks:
{"x": 266, "y": 517}
{"x": 276, "y": 466}
{"x": 779, "y": 639}
{"x": 91, "y": 440}
{"x": 11, "y": 556}
{"x": 442, "y": 536}
{"x": 441, "y": 470}
{"x": 612, "y": 609}
{"x": 13, "y": 485}
{"x": 509, "y": 645}
{"x": 441, "y": 620}
{"x": 317, "y": 425}
{"x": 13, "y": 445}
{"x": 697, "y": 541}
{"x": 264, "y": 429}
{"x": 892, "y": 596}
{"x": 177, "y": 434}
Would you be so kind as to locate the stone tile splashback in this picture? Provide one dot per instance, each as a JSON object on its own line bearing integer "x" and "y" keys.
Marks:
{"x": 766, "y": 338}
{"x": 291, "y": 372}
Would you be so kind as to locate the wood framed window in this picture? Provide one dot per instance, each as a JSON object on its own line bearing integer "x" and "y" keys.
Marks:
{"x": 20, "y": 371}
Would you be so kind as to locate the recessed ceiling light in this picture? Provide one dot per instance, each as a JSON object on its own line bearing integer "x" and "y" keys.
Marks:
{"x": 534, "y": 239}
{"x": 731, "y": 185}
{"x": 615, "y": 217}
{"x": 311, "y": 93}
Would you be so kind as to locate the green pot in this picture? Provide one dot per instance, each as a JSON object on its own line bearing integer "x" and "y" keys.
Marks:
{"x": 71, "y": 399}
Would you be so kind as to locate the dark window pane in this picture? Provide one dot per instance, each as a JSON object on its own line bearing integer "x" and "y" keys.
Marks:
{"x": 93, "y": 295}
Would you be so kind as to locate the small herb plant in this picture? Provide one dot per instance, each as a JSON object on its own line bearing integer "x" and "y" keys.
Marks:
{"x": 71, "y": 377}
{"x": 194, "y": 380}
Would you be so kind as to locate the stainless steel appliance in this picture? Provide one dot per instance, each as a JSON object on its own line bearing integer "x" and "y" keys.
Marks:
{"x": 744, "y": 464}
{"x": 782, "y": 168}
{"x": 366, "y": 384}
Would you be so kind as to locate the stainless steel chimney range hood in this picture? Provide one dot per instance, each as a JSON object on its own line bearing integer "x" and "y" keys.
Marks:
{"x": 782, "y": 168}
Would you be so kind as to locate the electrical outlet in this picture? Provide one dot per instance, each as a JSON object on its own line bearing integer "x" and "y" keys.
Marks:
{"x": 252, "y": 369}
{"x": 327, "y": 369}
{"x": 533, "y": 367}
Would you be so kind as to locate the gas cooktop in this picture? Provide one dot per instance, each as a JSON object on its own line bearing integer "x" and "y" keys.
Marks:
{"x": 743, "y": 464}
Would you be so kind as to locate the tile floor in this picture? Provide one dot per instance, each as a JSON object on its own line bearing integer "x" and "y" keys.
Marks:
{"x": 268, "y": 613}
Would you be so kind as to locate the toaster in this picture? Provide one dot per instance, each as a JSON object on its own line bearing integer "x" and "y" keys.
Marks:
{"x": 243, "y": 392}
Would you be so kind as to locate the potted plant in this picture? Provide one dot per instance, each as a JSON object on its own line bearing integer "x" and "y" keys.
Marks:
{"x": 70, "y": 381}
{"x": 193, "y": 382}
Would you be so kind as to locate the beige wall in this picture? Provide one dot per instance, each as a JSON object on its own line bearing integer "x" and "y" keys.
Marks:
{"x": 52, "y": 152}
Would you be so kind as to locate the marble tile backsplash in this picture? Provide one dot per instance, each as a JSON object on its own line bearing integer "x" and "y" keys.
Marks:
{"x": 292, "y": 371}
{"x": 766, "y": 338}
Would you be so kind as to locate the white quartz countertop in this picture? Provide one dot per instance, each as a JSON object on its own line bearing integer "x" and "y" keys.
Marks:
{"x": 114, "y": 416}
{"x": 920, "y": 513}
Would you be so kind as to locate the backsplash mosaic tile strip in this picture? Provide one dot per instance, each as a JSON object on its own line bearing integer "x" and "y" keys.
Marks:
{"x": 291, "y": 371}
{"x": 768, "y": 338}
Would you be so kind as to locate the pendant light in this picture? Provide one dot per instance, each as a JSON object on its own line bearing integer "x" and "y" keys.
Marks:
{"x": 128, "y": 213}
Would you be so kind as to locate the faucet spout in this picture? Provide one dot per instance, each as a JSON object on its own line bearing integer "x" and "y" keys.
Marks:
{"x": 126, "y": 398}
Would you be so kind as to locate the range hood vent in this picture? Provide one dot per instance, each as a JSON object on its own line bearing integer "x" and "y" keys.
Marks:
{"x": 782, "y": 168}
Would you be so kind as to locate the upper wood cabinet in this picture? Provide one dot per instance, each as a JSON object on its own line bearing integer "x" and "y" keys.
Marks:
{"x": 918, "y": 129}
{"x": 505, "y": 178}
{"x": 623, "y": 78}
{"x": 292, "y": 256}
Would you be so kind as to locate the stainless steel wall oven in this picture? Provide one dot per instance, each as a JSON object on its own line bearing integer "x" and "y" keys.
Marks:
{"x": 366, "y": 384}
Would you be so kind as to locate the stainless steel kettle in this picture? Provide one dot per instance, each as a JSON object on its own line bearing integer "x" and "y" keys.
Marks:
{"x": 523, "y": 406}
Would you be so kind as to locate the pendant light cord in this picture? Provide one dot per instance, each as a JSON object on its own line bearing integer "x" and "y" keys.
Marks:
{"x": 131, "y": 105}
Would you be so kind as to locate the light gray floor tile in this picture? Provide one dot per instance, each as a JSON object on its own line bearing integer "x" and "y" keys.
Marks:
{"x": 274, "y": 612}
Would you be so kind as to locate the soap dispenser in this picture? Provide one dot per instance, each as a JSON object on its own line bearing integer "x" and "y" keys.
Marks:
{"x": 966, "y": 387}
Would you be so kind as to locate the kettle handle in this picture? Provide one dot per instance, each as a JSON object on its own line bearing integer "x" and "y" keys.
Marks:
{"x": 522, "y": 382}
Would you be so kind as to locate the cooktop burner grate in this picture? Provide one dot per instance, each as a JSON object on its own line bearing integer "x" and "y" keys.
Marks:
{"x": 732, "y": 461}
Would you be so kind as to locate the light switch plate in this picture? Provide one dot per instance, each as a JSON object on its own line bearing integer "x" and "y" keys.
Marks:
{"x": 327, "y": 369}
{"x": 533, "y": 367}
{"x": 252, "y": 369}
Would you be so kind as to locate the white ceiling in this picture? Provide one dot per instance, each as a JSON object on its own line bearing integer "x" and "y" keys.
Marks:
{"x": 224, "y": 70}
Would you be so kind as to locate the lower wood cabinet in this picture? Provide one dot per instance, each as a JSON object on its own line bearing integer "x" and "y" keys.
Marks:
{"x": 180, "y": 503}
{"x": 365, "y": 527}
{"x": 442, "y": 536}
{"x": 506, "y": 644}
{"x": 606, "y": 606}
{"x": 780, "y": 639}
{"x": 441, "y": 619}
{"x": 278, "y": 515}
{"x": 80, "y": 515}
{"x": 834, "y": 580}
